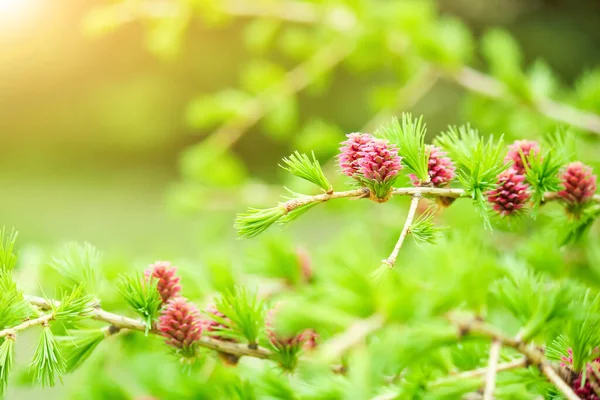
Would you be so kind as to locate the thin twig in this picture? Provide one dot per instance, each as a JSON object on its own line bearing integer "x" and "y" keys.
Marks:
{"x": 292, "y": 204}
{"x": 11, "y": 332}
{"x": 479, "y": 372}
{"x": 391, "y": 260}
{"x": 474, "y": 373}
{"x": 122, "y": 322}
{"x": 473, "y": 326}
{"x": 560, "y": 384}
{"x": 490, "y": 378}
{"x": 355, "y": 334}
{"x": 361, "y": 193}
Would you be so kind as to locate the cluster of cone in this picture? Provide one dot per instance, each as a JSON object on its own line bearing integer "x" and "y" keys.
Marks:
{"x": 182, "y": 326}
{"x": 512, "y": 191}
{"x": 586, "y": 388}
{"x": 363, "y": 156}
{"x": 179, "y": 321}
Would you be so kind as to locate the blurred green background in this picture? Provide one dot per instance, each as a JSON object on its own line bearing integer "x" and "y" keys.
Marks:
{"x": 91, "y": 127}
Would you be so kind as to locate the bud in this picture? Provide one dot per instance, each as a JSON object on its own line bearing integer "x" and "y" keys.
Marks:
{"x": 180, "y": 324}
{"x": 350, "y": 152}
{"x": 511, "y": 195}
{"x": 586, "y": 390}
{"x": 514, "y": 154}
{"x": 210, "y": 325}
{"x": 168, "y": 283}
{"x": 441, "y": 169}
{"x": 579, "y": 183}
{"x": 304, "y": 263}
{"x": 379, "y": 160}
{"x": 306, "y": 340}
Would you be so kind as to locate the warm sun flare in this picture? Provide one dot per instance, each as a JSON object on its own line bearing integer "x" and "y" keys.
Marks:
{"x": 14, "y": 12}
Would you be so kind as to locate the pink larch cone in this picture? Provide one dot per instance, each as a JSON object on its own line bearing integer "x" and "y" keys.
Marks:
{"x": 210, "y": 325}
{"x": 379, "y": 161}
{"x": 307, "y": 338}
{"x": 514, "y": 154}
{"x": 579, "y": 183}
{"x": 589, "y": 389}
{"x": 305, "y": 264}
{"x": 180, "y": 324}
{"x": 511, "y": 195}
{"x": 350, "y": 152}
{"x": 168, "y": 282}
{"x": 441, "y": 169}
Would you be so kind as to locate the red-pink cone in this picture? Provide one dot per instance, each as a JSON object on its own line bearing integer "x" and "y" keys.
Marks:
{"x": 168, "y": 282}
{"x": 441, "y": 169}
{"x": 180, "y": 324}
{"x": 350, "y": 152}
{"x": 514, "y": 154}
{"x": 307, "y": 338}
{"x": 584, "y": 389}
{"x": 305, "y": 264}
{"x": 511, "y": 195}
{"x": 579, "y": 184}
{"x": 379, "y": 161}
{"x": 210, "y": 325}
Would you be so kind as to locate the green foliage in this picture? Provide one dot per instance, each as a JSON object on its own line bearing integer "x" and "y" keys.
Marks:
{"x": 409, "y": 136}
{"x": 286, "y": 354}
{"x": 255, "y": 221}
{"x": 303, "y": 167}
{"x": 8, "y": 258}
{"x": 246, "y": 313}
{"x": 542, "y": 173}
{"x": 79, "y": 263}
{"x": 206, "y": 112}
{"x": 504, "y": 57}
{"x": 533, "y": 300}
{"x": 572, "y": 230}
{"x": 241, "y": 390}
{"x": 74, "y": 306}
{"x": 423, "y": 229}
{"x": 13, "y": 307}
{"x": 79, "y": 346}
{"x": 478, "y": 162}
{"x": 6, "y": 362}
{"x": 48, "y": 363}
{"x": 142, "y": 296}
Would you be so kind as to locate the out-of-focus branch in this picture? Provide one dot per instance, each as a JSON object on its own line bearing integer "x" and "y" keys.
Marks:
{"x": 408, "y": 96}
{"x": 355, "y": 334}
{"x": 476, "y": 327}
{"x": 474, "y": 373}
{"x": 344, "y": 21}
{"x": 294, "y": 81}
{"x": 488, "y": 86}
{"x": 490, "y": 378}
{"x": 479, "y": 372}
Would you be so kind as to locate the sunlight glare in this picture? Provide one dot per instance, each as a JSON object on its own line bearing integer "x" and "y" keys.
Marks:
{"x": 15, "y": 12}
